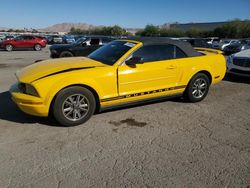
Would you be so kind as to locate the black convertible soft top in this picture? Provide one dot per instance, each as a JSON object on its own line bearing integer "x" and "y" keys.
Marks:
{"x": 184, "y": 46}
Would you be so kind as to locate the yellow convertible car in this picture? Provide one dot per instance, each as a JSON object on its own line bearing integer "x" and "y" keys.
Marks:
{"x": 120, "y": 73}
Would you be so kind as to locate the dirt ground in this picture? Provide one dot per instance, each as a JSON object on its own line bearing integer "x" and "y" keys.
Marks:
{"x": 164, "y": 144}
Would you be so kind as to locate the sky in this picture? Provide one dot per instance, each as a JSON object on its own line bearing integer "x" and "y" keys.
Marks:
{"x": 125, "y": 13}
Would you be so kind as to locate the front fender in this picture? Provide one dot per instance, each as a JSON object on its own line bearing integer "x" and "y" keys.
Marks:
{"x": 67, "y": 82}
{"x": 102, "y": 80}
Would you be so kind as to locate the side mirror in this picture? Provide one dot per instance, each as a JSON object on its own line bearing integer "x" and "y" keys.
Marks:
{"x": 133, "y": 61}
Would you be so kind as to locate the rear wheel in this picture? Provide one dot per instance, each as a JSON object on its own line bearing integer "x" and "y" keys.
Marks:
{"x": 9, "y": 47}
{"x": 37, "y": 47}
{"x": 74, "y": 106}
{"x": 197, "y": 88}
{"x": 66, "y": 54}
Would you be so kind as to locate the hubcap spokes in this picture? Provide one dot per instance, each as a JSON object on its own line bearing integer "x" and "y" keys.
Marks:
{"x": 75, "y": 107}
{"x": 199, "y": 88}
{"x": 9, "y": 47}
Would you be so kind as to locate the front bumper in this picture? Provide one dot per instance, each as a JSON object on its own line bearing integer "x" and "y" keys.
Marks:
{"x": 238, "y": 70}
{"x": 29, "y": 104}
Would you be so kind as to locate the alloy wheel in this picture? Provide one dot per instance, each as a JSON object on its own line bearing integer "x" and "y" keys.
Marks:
{"x": 199, "y": 88}
{"x": 75, "y": 107}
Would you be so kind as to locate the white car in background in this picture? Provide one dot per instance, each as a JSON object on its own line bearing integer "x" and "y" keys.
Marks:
{"x": 246, "y": 46}
{"x": 224, "y": 43}
{"x": 239, "y": 63}
{"x": 2, "y": 37}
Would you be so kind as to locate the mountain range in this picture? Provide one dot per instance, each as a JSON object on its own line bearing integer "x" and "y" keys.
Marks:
{"x": 65, "y": 27}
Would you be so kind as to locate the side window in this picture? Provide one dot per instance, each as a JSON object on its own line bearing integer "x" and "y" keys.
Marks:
{"x": 179, "y": 53}
{"x": 94, "y": 42}
{"x": 155, "y": 53}
{"x": 19, "y": 38}
{"x": 28, "y": 37}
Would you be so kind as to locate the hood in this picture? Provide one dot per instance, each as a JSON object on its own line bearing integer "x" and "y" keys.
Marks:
{"x": 243, "y": 54}
{"x": 55, "y": 66}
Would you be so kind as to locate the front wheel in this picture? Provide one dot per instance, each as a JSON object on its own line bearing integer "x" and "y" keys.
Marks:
{"x": 9, "y": 47}
{"x": 66, "y": 54}
{"x": 197, "y": 88}
{"x": 37, "y": 47}
{"x": 74, "y": 106}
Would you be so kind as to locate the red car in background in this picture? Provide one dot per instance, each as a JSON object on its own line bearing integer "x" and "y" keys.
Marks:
{"x": 24, "y": 42}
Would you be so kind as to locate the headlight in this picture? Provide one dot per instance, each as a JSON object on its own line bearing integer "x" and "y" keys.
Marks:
{"x": 28, "y": 89}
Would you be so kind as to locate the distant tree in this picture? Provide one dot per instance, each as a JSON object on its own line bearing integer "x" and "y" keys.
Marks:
{"x": 108, "y": 31}
{"x": 139, "y": 33}
{"x": 151, "y": 30}
{"x": 194, "y": 32}
{"x": 233, "y": 29}
{"x": 117, "y": 31}
{"x": 172, "y": 32}
{"x": 72, "y": 30}
{"x": 34, "y": 31}
{"x": 10, "y": 30}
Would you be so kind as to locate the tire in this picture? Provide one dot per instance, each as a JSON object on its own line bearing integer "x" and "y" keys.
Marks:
{"x": 37, "y": 47}
{"x": 68, "y": 112}
{"x": 197, "y": 88}
{"x": 66, "y": 54}
{"x": 9, "y": 47}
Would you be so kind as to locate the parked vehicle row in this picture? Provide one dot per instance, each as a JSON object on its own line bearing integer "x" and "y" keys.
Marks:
{"x": 82, "y": 47}
{"x": 228, "y": 46}
{"x": 62, "y": 46}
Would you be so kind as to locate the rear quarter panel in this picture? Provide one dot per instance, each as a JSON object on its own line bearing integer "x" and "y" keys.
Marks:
{"x": 214, "y": 64}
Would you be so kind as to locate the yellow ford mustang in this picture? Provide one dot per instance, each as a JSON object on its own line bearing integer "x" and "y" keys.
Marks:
{"x": 121, "y": 72}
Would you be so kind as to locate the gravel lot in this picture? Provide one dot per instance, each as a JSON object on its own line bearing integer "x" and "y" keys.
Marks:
{"x": 165, "y": 144}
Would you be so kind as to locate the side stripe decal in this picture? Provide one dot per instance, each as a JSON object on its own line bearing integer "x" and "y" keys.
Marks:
{"x": 142, "y": 93}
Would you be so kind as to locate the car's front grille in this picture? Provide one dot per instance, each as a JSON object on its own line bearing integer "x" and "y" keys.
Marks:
{"x": 240, "y": 71}
{"x": 242, "y": 62}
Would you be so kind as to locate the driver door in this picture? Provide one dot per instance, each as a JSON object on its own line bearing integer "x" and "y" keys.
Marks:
{"x": 19, "y": 42}
{"x": 158, "y": 69}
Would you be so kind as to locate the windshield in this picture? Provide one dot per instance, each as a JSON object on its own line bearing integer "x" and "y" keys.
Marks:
{"x": 81, "y": 40}
{"x": 226, "y": 41}
{"x": 111, "y": 52}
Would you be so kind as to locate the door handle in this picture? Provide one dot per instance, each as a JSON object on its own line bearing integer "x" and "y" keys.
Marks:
{"x": 171, "y": 67}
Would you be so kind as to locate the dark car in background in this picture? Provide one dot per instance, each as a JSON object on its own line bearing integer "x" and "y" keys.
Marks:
{"x": 24, "y": 42}
{"x": 55, "y": 39}
{"x": 77, "y": 37}
{"x": 68, "y": 39}
{"x": 197, "y": 42}
{"x": 246, "y": 45}
{"x": 82, "y": 47}
{"x": 232, "y": 48}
